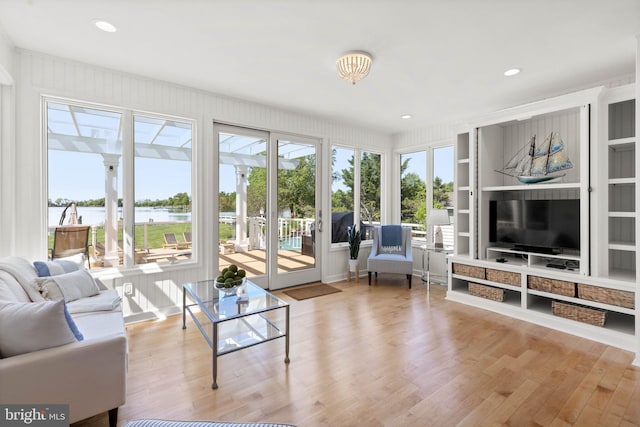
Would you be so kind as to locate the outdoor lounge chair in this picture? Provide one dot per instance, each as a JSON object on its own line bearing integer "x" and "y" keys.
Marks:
{"x": 70, "y": 240}
{"x": 170, "y": 241}
{"x": 187, "y": 238}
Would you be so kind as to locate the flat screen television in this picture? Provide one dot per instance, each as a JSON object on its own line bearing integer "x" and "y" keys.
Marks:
{"x": 544, "y": 226}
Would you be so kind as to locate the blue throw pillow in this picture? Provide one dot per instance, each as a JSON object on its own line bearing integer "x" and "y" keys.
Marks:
{"x": 57, "y": 267}
{"x": 72, "y": 324}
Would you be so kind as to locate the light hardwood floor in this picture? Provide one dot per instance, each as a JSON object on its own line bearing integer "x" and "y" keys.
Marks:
{"x": 384, "y": 356}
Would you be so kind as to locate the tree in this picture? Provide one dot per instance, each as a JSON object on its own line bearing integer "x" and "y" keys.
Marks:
{"x": 441, "y": 193}
{"x": 297, "y": 188}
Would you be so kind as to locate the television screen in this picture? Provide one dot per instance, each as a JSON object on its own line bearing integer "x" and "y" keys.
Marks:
{"x": 535, "y": 225}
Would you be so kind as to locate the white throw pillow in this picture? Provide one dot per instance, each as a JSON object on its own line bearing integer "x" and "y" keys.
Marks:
{"x": 68, "y": 286}
{"x": 33, "y": 326}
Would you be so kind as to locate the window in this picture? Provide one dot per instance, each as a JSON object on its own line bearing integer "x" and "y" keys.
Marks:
{"x": 87, "y": 151}
{"x": 347, "y": 176}
{"x": 413, "y": 191}
{"x": 341, "y": 193}
{"x": 370, "y": 184}
{"x": 442, "y": 189}
{"x": 163, "y": 202}
{"x": 423, "y": 186}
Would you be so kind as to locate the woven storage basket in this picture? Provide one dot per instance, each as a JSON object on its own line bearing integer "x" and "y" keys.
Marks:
{"x": 468, "y": 270}
{"x": 553, "y": 286}
{"x": 606, "y": 295}
{"x": 489, "y": 292}
{"x": 588, "y": 315}
{"x": 506, "y": 277}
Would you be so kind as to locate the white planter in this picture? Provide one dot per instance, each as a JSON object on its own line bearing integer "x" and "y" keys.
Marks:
{"x": 353, "y": 264}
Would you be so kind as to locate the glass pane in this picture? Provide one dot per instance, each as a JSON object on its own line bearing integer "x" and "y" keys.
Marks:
{"x": 84, "y": 150}
{"x": 296, "y": 205}
{"x": 162, "y": 190}
{"x": 242, "y": 223}
{"x": 413, "y": 191}
{"x": 443, "y": 188}
{"x": 370, "y": 184}
{"x": 341, "y": 193}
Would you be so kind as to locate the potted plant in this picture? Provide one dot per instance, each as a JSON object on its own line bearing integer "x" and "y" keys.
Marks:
{"x": 353, "y": 238}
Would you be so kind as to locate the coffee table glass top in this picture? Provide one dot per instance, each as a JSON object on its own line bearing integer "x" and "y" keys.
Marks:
{"x": 219, "y": 307}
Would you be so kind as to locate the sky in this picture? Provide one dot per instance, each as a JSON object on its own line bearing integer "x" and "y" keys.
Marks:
{"x": 78, "y": 176}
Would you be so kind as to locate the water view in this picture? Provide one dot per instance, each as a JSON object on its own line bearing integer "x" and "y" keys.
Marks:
{"x": 95, "y": 215}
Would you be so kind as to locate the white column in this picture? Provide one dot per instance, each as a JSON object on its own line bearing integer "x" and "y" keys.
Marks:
{"x": 242, "y": 244}
{"x": 111, "y": 163}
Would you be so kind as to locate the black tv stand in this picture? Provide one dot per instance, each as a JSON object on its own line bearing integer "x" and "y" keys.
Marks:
{"x": 537, "y": 249}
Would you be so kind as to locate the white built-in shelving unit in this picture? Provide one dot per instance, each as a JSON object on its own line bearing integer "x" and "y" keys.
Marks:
{"x": 597, "y": 127}
{"x": 619, "y": 182}
{"x": 464, "y": 194}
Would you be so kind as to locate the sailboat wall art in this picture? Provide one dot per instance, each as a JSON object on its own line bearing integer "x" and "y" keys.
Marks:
{"x": 536, "y": 164}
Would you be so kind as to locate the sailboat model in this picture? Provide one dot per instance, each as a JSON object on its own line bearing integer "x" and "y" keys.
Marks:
{"x": 545, "y": 163}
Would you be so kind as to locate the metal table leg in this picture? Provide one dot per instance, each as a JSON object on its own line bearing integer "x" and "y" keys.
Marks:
{"x": 214, "y": 362}
{"x": 286, "y": 338}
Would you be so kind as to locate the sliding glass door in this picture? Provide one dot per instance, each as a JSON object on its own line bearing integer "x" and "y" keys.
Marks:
{"x": 296, "y": 220}
{"x": 268, "y": 223}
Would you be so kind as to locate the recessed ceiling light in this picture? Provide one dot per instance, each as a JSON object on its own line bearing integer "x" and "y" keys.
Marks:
{"x": 512, "y": 72}
{"x": 105, "y": 26}
{"x": 406, "y": 116}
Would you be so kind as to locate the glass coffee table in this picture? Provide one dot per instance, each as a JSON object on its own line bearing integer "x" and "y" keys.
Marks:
{"x": 232, "y": 322}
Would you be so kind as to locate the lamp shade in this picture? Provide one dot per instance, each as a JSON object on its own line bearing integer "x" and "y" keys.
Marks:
{"x": 438, "y": 217}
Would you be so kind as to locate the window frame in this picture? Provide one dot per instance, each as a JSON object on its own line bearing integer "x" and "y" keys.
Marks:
{"x": 429, "y": 149}
{"x": 357, "y": 184}
{"x": 128, "y": 174}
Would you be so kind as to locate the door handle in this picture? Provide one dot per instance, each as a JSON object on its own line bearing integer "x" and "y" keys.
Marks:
{"x": 319, "y": 226}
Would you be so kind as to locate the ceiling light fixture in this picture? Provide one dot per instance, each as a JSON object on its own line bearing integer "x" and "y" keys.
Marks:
{"x": 105, "y": 26}
{"x": 354, "y": 66}
{"x": 406, "y": 116}
{"x": 512, "y": 72}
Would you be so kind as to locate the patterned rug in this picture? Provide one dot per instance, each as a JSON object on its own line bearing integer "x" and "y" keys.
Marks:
{"x": 311, "y": 291}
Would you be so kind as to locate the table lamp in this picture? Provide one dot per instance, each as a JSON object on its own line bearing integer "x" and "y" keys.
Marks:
{"x": 438, "y": 217}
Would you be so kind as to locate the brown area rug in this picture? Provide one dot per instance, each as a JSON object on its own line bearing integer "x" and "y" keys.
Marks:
{"x": 312, "y": 291}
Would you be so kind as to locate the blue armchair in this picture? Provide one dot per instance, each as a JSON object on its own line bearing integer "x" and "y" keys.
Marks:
{"x": 391, "y": 251}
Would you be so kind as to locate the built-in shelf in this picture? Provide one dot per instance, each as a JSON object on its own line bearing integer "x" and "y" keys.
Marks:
{"x": 622, "y": 246}
{"x": 622, "y": 214}
{"x": 598, "y": 129}
{"x": 523, "y": 187}
{"x": 615, "y": 181}
{"x": 621, "y": 141}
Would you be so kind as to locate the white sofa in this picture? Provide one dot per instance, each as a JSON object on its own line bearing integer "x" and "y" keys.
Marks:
{"x": 88, "y": 375}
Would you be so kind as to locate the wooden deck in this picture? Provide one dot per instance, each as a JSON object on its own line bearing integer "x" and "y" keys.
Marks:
{"x": 254, "y": 261}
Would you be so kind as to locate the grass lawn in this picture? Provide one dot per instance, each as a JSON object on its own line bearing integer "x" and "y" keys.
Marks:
{"x": 155, "y": 234}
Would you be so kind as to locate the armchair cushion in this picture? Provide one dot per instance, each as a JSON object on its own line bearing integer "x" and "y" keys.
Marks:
{"x": 31, "y": 326}
{"x": 387, "y": 254}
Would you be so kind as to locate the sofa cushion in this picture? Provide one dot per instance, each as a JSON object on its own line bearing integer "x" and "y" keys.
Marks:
{"x": 59, "y": 266}
{"x": 24, "y": 272}
{"x": 108, "y": 300}
{"x": 69, "y": 286}
{"x": 31, "y": 326}
{"x": 10, "y": 289}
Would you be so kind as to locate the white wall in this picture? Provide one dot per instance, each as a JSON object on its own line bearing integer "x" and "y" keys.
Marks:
{"x": 155, "y": 291}
{"x": 6, "y": 59}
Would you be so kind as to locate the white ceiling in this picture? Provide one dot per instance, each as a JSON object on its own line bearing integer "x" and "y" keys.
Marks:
{"x": 440, "y": 60}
